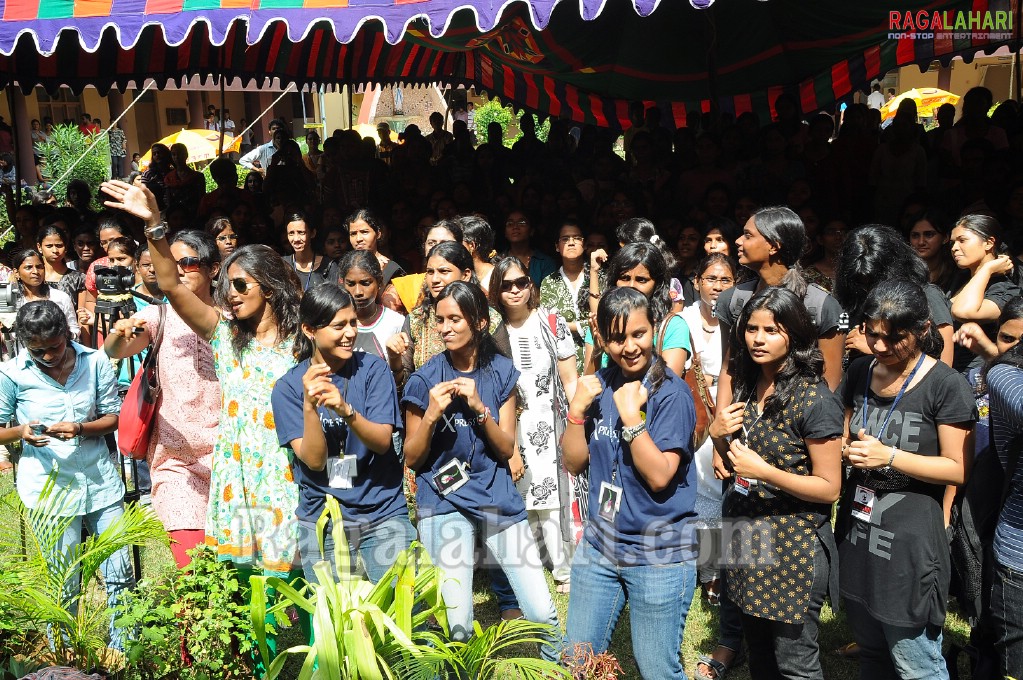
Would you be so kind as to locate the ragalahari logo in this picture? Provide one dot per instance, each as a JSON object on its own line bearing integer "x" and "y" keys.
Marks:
{"x": 925, "y": 25}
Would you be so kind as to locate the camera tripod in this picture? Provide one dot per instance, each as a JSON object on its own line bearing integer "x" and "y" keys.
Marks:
{"x": 109, "y": 310}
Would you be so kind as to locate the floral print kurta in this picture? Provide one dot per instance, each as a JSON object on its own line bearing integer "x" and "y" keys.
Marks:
{"x": 253, "y": 495}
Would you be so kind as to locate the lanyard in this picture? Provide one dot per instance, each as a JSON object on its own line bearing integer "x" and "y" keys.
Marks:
{"x": 898, "y": 397}
{"x": 312, "y": 268}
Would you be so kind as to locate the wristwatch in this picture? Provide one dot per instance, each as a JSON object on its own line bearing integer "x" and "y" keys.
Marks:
{"x": 156, "y": 233}
{"x": 630, "y": 433}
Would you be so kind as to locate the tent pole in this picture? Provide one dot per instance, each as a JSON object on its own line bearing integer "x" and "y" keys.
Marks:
{"x": 1016, "y": 46}
{"x": 220, "y": 143}
{"x": 17, "y": 149}
{"x": 267, "y": 109}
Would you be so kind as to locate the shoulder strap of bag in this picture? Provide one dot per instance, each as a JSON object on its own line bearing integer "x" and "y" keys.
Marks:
{"x": 154, "y": 348}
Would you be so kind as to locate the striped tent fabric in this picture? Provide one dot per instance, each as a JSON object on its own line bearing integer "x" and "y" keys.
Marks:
{"x": 582, "y": 60}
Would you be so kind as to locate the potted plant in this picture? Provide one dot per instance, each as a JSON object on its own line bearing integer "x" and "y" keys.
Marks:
{"x": 33, "y": 582}
{"x": 367, "y": 631}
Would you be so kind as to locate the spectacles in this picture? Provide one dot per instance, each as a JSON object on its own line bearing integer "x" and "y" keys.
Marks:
{"x": 521, "y": 283}
{"x": 242, "y": 285}
{"x": 571, "y": 239}
{"x": 724, "y": 280}
{"x": 192, "y": 264}
{"x": 227, "y": 238}
{"x": 517, "y": 223}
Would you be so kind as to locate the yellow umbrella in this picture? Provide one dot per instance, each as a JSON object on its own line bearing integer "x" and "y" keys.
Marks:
{"x": 927, "y": 99}
{"x": 202, "y": 145}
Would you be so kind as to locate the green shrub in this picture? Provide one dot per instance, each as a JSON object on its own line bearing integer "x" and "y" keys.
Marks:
{"x": 490, "y": 112}
{"x": 65, "y": 146}
{"x": 193, "y": 626}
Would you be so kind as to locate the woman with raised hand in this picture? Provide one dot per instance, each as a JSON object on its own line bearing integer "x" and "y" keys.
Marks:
{"x": 781, "y": 439}
{"x": 181, "y": 446}
{"x": 359, "y": 273}
{"x": 995, "y": 278}
{"x": 337, "y": 409}
{"x": 460, "y": 424}
{"x": 909, "y": 426}
{"x": 631, "y": 425}
{"x": 543, "y": 352}
{"x": 253, "y": 497}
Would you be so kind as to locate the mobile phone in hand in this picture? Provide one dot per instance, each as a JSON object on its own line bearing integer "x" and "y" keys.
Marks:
{"x": 38, "y": 428}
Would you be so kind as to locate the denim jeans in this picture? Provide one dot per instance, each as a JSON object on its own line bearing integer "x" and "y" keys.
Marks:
{"x": 451, "y": 538}
{"x": 378, "y": 547}
{"x": 116, "y": 570}
{"x": 1007, "y": 619}
{"x": 790, "y": 650}
{"x": 895, "y": 652}
{"x": 659, "y": 597}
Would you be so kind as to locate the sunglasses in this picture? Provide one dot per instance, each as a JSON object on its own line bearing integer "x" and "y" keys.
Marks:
{"x": 521, "y": 283}
{"x": 243, "y": 286}
{"x": 189, "y": 264}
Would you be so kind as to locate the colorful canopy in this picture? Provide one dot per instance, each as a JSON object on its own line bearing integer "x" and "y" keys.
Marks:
{"x": 578, "y": 59}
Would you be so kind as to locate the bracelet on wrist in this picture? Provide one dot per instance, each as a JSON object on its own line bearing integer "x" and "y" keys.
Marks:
{"x": 481, "y": 418}
{"x": 891, "y": 458}
{"x": 79, "y": 428}
{"x": 350, "y": 415}
{"x": 595, "y": 296}
{"x": 576, "y": 421}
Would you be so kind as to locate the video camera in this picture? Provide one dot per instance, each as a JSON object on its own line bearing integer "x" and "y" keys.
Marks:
{"x": 9, "y": 294}
{"x": 114, "y": 280}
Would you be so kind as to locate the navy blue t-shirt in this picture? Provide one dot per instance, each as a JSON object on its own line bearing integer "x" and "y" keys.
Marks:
{"x": 650, "y": 528}
{"x": 489, "y": 495}
{"x": 366, "y": 383}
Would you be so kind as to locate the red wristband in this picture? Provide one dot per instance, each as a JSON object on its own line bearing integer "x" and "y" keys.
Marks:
{"x": 576, "y": 421}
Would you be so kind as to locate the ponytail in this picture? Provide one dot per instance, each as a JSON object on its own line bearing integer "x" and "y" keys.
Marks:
{"x": 794, "y": 281}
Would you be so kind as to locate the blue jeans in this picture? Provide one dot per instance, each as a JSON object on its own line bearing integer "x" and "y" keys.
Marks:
{"x": 1007, "y": 620}
{"x": 659, "y": 597}
{"x": 116, "y": 570}
{"x": 895, "y": 652}
{"x": 378, "y": 547}
{"x": 450, "y": 539}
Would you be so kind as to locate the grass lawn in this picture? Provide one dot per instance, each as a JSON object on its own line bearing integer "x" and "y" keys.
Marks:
{"x": 700, "y": 633}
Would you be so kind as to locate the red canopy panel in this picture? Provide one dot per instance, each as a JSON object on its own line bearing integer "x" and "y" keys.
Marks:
{"x": 584, "y": 66}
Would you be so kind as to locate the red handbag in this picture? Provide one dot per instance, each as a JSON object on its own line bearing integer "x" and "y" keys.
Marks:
{"x": 138, "y": 409}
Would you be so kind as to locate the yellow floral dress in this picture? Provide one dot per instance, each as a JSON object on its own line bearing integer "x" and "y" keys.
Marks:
{"x": 253, "y": 496}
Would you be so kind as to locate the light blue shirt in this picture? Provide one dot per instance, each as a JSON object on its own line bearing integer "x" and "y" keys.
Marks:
{"x": 83, "y": 463}
{"x": 262, "y": 153}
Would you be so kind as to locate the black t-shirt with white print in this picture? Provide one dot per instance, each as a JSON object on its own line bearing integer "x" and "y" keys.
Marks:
{"x": 896, "y": 564}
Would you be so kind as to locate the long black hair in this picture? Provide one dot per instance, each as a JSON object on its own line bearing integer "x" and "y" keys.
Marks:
{"x": 458, "y": 255}
{"x": 902, "y": 305}
{"x": 279, "y": 284}
{"x": 648, "y": 255}
{"x": 612, "y": 317}
{"x": 472, "y": 303}
{"x": 804, "y": 362}
{"x": 320, "y": 305}
{"x": 871, "y": 254}
{"x": 784, "y": 229}
{"x": 19, "y": 258}
{"x": 987, "y": 227}
{"x": 42, "y": 320}
{"x": 642, "y": 230}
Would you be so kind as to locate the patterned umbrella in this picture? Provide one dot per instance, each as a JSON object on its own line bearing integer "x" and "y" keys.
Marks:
{"x": 927, "y": 99}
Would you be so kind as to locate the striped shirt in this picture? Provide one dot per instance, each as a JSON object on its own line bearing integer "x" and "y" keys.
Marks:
{"x": 1005, "y": 387}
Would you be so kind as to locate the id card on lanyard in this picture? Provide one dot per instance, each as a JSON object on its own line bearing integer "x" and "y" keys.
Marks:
{"x": 863, "y": 498}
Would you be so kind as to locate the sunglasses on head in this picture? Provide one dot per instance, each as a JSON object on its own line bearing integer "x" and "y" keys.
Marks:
{"x": 242, "y": 286}
{"x": 189, "y": 264}
{"x": 521, "y": 283}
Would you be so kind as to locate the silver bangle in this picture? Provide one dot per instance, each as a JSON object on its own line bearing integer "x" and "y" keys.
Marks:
{"x": 892, "y": 457}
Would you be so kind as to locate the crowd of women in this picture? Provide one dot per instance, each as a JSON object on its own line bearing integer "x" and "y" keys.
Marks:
{"x": 641, "y": 420}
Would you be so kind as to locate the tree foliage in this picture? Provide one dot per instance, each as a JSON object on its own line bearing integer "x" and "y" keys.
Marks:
{"x": 65, "y": 146}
